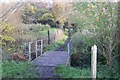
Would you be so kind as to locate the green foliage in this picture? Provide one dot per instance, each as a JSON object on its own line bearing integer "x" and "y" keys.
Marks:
{"x": 30, "y": 9}
{"x": 32, "y": 14}
{"x": 74, "y": 72}
{"x": 8, "y": 38}
{"x": 37, "y": 31}
{"x": 18, "y": 70}
{"x": 71, "y": 72}
{"x": 99, "y": 20}
{"x": 47, "y": 16}
{"x": 57, "y": 44}
{"x": 105, "y": 72}
{"x": 6, "y": 31}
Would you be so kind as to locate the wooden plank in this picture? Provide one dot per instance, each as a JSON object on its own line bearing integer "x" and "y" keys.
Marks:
{"x": 52, "y": 58}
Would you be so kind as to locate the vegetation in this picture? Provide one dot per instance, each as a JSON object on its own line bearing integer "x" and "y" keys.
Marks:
{"x": 102, "y": 27}
{"x": 71, "y": 72}
{"x": 56, "y": 44}
{"x": 18, "y": 70}
{"x": 96, "y": 24}
{"x": 76, "y": 72}
{"x": 32, "y": 14}
{"x": 92, "y": 23}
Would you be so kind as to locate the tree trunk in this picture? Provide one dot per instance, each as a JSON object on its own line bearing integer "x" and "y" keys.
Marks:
{"x": 109, "y": 55}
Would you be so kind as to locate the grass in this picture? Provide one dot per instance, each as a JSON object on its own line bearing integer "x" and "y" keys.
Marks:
{"x": 18, "y": 70}
{"x": 33, "y": 35}
{"x": 71, "y": 72}
{"x": 57, "y": 44}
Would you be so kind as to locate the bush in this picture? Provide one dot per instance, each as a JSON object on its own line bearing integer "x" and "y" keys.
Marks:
{"x": 82, "y": 50}
{"x": 104, "y": 72}
{"x": 71, "y": 72}
{"x": 82, "y": 43}
{"x": 75, "y": 72}
{"x": 18, "y": 70}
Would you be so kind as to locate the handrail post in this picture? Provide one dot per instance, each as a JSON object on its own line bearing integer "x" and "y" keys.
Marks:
{"x": 36, "y": 49}
{"x": 29, "y": 51}
{"x": 68, "y": 48}
{"x": 41, "y": 46}
{"x": 25, "y": 51}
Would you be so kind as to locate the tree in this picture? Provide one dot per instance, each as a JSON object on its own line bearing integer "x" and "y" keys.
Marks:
{"x": 6, "y": 35}
{"x": 100, "y": 20}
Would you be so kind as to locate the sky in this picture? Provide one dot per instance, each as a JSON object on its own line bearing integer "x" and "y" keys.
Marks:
{"x": 8, "y": 1}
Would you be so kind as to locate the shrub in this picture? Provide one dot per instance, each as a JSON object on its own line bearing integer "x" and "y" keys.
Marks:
{"x": 82, "y": 42}
{"x": 18, "y": 70}
{"x": 71, "y": 72}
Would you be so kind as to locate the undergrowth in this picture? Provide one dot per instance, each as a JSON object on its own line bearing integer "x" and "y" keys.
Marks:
{"x": 18, "y": 70}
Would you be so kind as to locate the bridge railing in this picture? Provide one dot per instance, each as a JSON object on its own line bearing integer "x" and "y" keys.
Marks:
{"x": 69, "y": 51}
{"x": 35, "y": 48}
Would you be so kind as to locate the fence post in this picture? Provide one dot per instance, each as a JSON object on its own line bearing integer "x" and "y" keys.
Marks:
{"x": 25, "y": 51}
{"x": 93, "y": 61}
{"x": 48, "y": 37}
{"x": 36, "y": 49}
{"x": 29, "y": 51}
{"x": 41, "y": 46}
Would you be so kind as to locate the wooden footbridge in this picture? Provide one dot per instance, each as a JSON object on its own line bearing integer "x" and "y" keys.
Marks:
{"x": 49, "y": 58}
{"x": 45, "y": 61}
{"x": 54, "y": 58}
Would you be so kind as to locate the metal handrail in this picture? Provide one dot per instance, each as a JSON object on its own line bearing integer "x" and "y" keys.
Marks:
{"x": 69, "y": 47}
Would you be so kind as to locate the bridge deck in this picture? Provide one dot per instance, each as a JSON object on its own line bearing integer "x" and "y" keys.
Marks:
{"x": 52, "y": 58}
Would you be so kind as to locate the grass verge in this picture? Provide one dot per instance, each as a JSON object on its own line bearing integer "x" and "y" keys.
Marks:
{"x": 18, "y": 70}
{"x": 71, "y": 72}
{"x": 57, "y": 44}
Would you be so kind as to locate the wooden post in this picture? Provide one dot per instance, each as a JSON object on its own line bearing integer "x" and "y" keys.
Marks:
{"x": 29, "y": 51}
{"x": 93, "y": 62}
{"x": 36, "y": 49}
{"x": 41, "y": 46}
{"x": 69, "y": 34}
{"x": 25, "y": 51}
{"x": 48, "y": 37}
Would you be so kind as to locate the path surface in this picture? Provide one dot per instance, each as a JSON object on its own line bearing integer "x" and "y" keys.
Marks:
{"x": 46, "y": 63}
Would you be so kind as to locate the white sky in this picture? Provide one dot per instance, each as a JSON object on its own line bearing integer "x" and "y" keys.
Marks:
{"x": 7, "y": 1}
